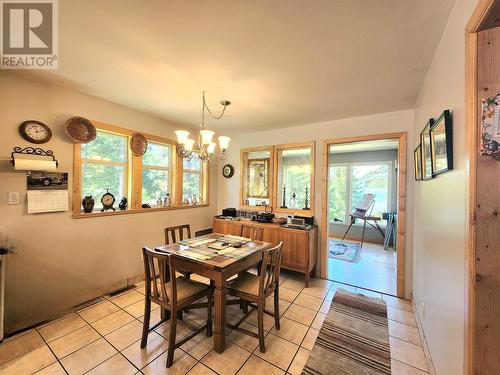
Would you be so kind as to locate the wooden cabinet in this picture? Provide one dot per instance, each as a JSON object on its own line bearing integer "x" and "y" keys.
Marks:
{"x": 300, "y": 247}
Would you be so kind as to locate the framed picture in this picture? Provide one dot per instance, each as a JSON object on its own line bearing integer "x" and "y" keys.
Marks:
{"x": 442, "y": 144}
{"x": 425, "y": 143}
{"x": 417, "y": 159}
{"x": 490, "y": 126}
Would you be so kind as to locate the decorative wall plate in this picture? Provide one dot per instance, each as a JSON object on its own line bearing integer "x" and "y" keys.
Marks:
{"x": 228, "y": 171}
{"x": 138, "y": 144}
{"x": 80, "y": 130}
{"x": 35, "y": 132}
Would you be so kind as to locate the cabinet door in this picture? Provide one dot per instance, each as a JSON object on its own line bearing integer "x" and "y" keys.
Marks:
{"x": 295, "y": 249}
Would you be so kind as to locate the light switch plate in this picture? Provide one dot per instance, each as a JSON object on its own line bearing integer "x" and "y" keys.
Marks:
{"x": 13, "y": 197}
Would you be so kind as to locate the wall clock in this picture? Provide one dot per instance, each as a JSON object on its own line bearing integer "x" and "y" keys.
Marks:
{"x": 35, "y": 131}
{"x": 138, "y": 144}
{"x": 227, "y": 171}
{"x": 108, "y": 200}
{"x": 80, "y": 130}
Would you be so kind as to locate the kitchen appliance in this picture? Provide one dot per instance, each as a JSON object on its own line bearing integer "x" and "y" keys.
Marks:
{"x": 229, "y": 212}
{"x": 298, "y": 222}
{"x": 264, "y": 217}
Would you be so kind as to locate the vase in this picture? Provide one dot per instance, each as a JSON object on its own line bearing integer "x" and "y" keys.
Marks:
{"x": 88, "y": 204}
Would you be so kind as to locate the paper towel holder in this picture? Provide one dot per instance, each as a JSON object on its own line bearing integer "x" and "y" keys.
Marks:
{"x": 35, "y": 151}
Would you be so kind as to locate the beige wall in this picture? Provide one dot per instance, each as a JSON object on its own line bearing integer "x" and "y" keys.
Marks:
{"x": 440, "y": 205}
{"x": 59, "y": 262}
{"x": 401, "y": 121}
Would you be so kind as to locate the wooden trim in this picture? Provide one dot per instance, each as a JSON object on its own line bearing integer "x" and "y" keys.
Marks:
{"x": 77, "y": 178}
{"x": 135, "y": 211}
{"x": 471, "y": 142}
{"x": 402, "y": 175}
{"x": 134, "y": 176}
{"x": 480, "y": 14}
{"x": 275, "y": 203}
{"x": 136, "y": 190}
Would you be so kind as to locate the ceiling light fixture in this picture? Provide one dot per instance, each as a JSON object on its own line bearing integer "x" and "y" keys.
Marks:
{"x": 205, "y": 149}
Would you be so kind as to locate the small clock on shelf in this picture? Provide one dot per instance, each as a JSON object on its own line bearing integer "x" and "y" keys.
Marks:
{"x": 35, "y": 132}
{"x": 108, "y": 200}
{"x": 228, "y": 171}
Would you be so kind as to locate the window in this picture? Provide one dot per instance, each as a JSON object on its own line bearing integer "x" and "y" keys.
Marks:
{"x": 256, "y": 176}
{"x": 104, "y": 167}
{"x": 156, "y": 173}
{"x": 349, "y": 182}
{"x": 108, "y": 164}
{"x": 295, "y": 169}
{"x": 192, "y": 181}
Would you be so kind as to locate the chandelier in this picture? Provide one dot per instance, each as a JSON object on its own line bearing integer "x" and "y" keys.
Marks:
{"x": 206, "y": 149}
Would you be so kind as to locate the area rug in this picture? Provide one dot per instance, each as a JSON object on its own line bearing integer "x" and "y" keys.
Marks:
{"x": 347, "y": 251}
{"x": 354, "y": 338}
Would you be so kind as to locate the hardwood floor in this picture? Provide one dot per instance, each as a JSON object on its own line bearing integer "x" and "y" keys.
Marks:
{"x": 374, "y": 271}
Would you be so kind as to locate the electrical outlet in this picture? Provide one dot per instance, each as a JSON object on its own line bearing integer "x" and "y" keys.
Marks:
{"x": 13, "y": 197}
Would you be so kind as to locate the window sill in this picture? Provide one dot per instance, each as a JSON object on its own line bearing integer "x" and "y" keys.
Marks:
{"x": 134, "y": 211}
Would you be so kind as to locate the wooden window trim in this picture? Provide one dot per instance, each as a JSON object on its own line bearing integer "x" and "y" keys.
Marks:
{"x": 134, "y": 177}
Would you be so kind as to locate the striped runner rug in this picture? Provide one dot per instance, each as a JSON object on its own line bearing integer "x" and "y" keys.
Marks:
{"x": 354, "y": 338}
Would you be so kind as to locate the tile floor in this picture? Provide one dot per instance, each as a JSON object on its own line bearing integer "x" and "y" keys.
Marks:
{"x": 375, "y": 269}
{"x": 104, "y": 338}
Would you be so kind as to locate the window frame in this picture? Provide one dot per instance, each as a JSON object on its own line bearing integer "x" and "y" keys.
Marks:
{"x": 203, "y": 172}
{"x": 170, "y": 169}
{"x": 294, "y": 146}
{"x": 126, "y": 166}
{"x": 133, "y": 178}
{"x": 349, "y": 208}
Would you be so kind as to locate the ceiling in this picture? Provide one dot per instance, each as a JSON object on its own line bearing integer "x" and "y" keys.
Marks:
{"x": 281, "y": 63}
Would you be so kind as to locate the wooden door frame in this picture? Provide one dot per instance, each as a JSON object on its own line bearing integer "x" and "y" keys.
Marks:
{"x": 477, "y": 19}
{"x": 401, "y": 222}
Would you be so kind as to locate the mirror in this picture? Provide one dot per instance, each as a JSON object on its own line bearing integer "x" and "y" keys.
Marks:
{"x": 256, "y": 176}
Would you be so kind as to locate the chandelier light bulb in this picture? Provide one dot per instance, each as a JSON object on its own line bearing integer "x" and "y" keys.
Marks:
{"x": 211, "y": 148}
{"x": 182, "y": 136}
{"x": 188, "y": 144}
{"x": 224, "y": 142}
{"x": 206, "y": 137}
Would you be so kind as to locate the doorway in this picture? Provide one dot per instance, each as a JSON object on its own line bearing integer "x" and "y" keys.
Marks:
{"x": 363, "y": 212}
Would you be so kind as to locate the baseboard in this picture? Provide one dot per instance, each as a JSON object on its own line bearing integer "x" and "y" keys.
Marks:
{"x": 77, "y": 303}
{"x": 420, "y": 327}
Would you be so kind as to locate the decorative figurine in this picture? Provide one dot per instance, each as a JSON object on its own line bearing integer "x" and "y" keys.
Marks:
{"x": 194, "y": 200}
{"x": 88, "y": 204}
{"x": 284, "y": 198}
{"x": 167, "y": 201}
{"x": 306, "y": 200}
{"x": 123, "y": 203}
{"x": 293, "y": 201}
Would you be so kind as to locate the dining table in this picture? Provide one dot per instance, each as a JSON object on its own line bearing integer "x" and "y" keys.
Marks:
{"x": 196, "y": 256}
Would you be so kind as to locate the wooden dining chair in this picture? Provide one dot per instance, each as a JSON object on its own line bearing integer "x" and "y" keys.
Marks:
{"x": 176, "y": 233}
{"x": 173, "y": 294}
{"x": 249, "y": 231}
{"x": 254, "y": 289}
